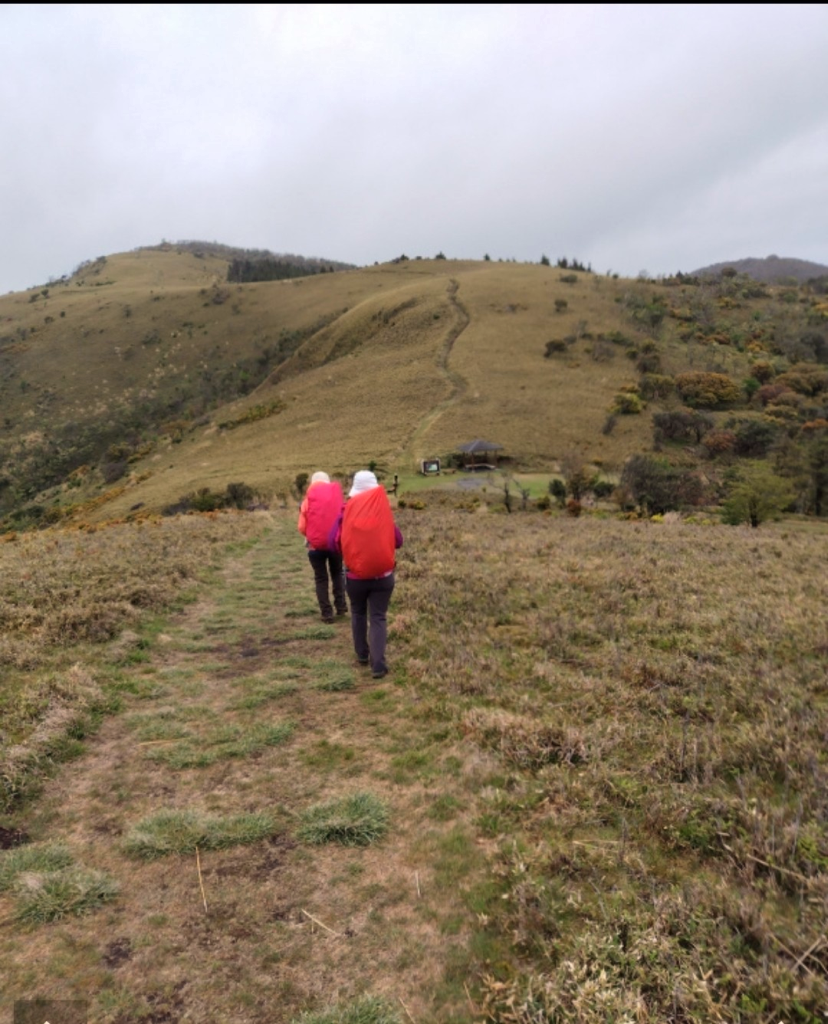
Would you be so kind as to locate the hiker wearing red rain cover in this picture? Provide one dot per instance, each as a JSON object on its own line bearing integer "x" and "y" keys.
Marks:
{"x": 317, "y": 517}
{"x": 368, "y": 538}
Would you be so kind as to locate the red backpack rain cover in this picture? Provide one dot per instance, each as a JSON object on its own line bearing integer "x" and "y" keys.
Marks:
{"x": 368, "y": 535}
{"x": 324, "y": 506}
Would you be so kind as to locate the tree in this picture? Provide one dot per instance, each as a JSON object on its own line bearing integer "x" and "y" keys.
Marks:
{"x": 544, "y": 261}
{"x": 574, "y": 472}
{"x": 758, "y": 495}
{"x": 658, "y": 487}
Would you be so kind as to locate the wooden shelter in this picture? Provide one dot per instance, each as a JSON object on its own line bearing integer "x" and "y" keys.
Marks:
{"x": 479, "y": 454}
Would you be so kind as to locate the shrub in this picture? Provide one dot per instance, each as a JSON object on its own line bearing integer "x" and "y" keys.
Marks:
{"x": 569, "y": 278}
{"x": 753, "y": 437}
{"x": 707, "y": 390}
{"x": 659, "y": 487}
{"x": 763, "y": 371}
{"x": 574, "y": 474}
{"x": 648, "y": 362}
{"x": 239, "y": 495}
{"x": 557, "y": 488}
{"x": 627, "y": 404}
{"x": 602, "y": 351}
{"x": 758, "y": 495}
{"x": 719, "y": 442}
{"x": 113, "y": 471}
{"x": 681, "y": 424}
{"x": 617, "y": 338}
{"x": 656, "y": 385}
{"x": 806, "y": 380}
{"x": 560, "y": 305}
{"x": 602, "y": 488}
{"x": 554, "y": 347}
{"x": 770, "y": 392}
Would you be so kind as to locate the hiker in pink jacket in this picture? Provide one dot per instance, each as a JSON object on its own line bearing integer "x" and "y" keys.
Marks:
{"x": 318, "y": 514}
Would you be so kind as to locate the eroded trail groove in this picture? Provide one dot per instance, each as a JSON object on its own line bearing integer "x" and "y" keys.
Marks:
{"x": 456, "y": 381}
{"x": 250, "y": 705}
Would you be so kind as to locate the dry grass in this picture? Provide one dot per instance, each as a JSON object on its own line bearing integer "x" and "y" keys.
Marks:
{"x": 656, "y": 694}
{"x": 65, "y": 595}
{"x": 601, "y": 749}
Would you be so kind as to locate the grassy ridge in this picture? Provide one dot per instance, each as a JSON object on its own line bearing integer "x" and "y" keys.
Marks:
{"x": 135, "y": 365}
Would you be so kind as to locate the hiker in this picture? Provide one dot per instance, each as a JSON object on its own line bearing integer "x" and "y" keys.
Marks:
{"x": 368, "y": 537}
{"x": 318, "y": 514}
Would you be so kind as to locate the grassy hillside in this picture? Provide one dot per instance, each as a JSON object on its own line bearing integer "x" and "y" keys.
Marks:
{"x": 146, "y": 376}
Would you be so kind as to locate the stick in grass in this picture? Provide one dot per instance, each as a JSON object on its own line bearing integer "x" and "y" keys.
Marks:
{"x": 778, "y": 867}
{"x": 201, "y": 880}
{"x": 321, "y": 925}
{"x": 417, "y": 880}
{"x": 801, "y": 961}
{"x": 408, "y": 1012}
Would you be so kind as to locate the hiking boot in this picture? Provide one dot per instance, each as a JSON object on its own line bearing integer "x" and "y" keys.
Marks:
{"x": 328, "y": 618}
{"x": 363, "y": 661}
{"x": 383, "y": 672}
{"x": 342, "y": 611}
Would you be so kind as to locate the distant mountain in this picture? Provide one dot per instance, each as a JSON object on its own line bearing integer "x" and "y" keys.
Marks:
{"x": 770, "y": 270}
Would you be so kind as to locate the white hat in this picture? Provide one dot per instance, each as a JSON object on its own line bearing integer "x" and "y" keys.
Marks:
{"x": 364, "y": 480}
{"x": 320, "y": 478}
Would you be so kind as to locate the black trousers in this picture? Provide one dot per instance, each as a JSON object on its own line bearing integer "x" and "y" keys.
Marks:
{"x": 328, "y": 575}
{"x": 369, "y": 609}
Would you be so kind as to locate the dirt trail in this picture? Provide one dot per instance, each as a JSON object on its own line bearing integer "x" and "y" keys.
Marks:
{"x": 410, "y": 453}
{"x": 288, "y": 926}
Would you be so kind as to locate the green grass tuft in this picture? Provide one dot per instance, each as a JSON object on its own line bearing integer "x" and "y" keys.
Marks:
{"x": 336, "y": 682}
{"x": 52, "y": 895}
{"x": 368, "y": 1010}
{"x": 228, "y": 742}
{"x": 37, "y": 859}
{"x": 182, "y": 831}
{"x": 356, "y": 820}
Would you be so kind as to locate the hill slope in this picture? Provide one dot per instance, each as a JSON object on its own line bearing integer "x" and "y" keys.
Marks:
{"x": 153, "y": 372}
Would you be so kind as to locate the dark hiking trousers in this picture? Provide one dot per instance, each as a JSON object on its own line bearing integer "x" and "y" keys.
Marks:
{"x": 327, "y": 574}
{"x": 369, "y": 610}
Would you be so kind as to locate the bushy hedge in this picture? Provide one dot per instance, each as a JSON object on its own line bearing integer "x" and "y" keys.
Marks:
{"x": 707, "y": 390}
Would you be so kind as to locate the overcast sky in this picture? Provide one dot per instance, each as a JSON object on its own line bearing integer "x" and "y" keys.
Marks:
{"x": 634, "y": 137}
